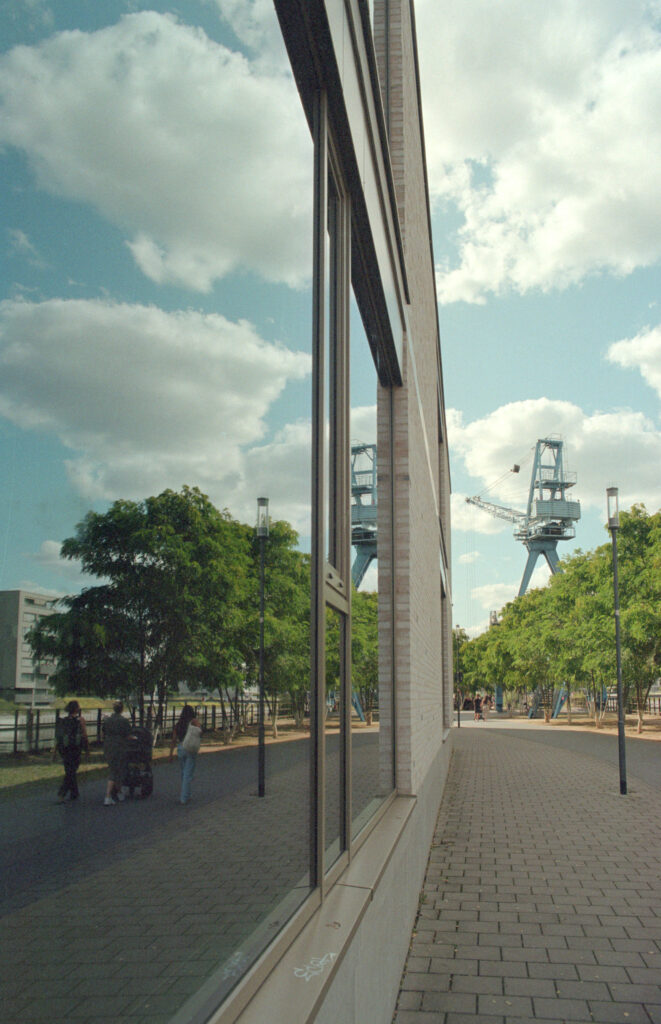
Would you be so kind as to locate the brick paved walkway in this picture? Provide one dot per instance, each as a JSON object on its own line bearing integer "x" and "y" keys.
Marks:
{"x": 542, "y": 898}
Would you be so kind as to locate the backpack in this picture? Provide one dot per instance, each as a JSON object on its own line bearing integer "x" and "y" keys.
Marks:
{"x": 68, "y": 734}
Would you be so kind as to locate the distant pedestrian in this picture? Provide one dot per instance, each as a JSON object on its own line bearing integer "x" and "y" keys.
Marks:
{"x": 70, "y": 742}
{"x": 187, "y": 735}
{"x": 115, "y": 730}
{"x": 486, "y": 707}
{"x": 477, "y": 707}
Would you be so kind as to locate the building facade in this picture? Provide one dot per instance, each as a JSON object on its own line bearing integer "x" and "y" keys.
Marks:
{"x": 22, "y": 680}
{"x": 357, "y": 73}
{"x": 269, "y": 156}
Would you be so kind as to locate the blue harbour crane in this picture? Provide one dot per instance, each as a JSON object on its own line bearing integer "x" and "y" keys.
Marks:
{"x": 550, "y": 516}
{"x": 363, "y": 509}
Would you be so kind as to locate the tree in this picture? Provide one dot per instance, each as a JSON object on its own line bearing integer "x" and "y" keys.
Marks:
{"x": 174, "y": 572}
{"x": 365, "y": 649}
{"x": 563, "y": 634}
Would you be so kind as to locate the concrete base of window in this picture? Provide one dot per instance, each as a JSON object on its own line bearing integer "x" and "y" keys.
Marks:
{"x": 347, "y": 962}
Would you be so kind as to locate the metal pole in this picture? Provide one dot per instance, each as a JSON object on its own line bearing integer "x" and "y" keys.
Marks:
{"x": 261, "y": 765}
{"x": 457, "y": 678}
{"x": 620, "y": 699}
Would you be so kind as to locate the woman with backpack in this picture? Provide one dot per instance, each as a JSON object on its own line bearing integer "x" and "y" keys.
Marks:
{"x": 71, "y": 739}
{"x": 187, "y": 735}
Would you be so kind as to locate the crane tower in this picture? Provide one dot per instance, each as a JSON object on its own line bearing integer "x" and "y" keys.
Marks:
{"x": 363, "y": 508}
{"x": 549, "y": 516}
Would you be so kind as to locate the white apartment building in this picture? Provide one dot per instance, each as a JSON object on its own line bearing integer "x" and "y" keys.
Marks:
{"x": 22, "y": 680}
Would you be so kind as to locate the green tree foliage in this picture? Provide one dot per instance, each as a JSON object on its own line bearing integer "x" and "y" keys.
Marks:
{"x": 365, "y": 648}
{"x": 564, "y": 634}
{"x": 172, "y": 570}
{"x": 177, "y": 602}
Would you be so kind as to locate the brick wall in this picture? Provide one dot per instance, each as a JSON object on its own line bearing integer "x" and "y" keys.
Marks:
{"x": 422, "y": 620}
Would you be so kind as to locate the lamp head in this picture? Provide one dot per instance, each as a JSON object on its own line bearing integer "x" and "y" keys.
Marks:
{"x": 613, "y": 508}
{"x": 262, "y": 517}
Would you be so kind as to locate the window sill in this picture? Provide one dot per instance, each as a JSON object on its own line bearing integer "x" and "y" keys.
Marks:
{"x": 301, "y": 978}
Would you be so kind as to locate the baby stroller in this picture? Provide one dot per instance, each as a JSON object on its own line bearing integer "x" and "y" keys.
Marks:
{"x": 137, "y": 771}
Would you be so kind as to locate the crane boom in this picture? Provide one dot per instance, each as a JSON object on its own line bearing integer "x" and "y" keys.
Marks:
{"x": 500, "y": 511}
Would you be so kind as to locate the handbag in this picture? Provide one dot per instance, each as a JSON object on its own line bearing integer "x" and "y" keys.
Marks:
{"x": 192, "y": 740}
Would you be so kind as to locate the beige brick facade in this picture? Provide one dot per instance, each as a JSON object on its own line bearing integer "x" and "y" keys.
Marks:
{"x": 422, "y": 638}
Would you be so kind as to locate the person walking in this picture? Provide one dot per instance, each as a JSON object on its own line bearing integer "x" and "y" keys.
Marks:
{"x": 187, "y": 735}
{"x": 477, "y": 707}
{"x": 70, "y": 742}
{"x": 115, "y": 730}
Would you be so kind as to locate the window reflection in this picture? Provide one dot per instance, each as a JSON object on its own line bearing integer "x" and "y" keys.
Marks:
{"x": 155, "y": 334}
{"x": 371, "y": 679}
{"x": 335, "y": 625}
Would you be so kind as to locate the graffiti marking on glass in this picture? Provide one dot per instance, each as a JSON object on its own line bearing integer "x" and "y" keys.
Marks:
{"x": 235, "y": 965}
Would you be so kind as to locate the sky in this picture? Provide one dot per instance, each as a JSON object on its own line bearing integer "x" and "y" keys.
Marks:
{"x": 155, "y": 246}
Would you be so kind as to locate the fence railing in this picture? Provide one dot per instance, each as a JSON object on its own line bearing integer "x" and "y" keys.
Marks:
{"x": 33, "y": 730}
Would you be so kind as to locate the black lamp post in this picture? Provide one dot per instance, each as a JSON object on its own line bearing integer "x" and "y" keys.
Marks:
{"x": 262, "y": 534}
{"x": 613, "y": 526}
{"x": 458, "y": 678}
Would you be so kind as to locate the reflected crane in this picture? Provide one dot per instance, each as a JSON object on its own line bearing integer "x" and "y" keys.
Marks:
{"x": 549, "y": 516}
{"x": 363, "y": 508}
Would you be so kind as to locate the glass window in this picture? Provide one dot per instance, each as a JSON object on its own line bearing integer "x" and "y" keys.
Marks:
{"x": 335, "y": 625}
{"x": 156, "y": 377}
{"x": 371, "y": 674}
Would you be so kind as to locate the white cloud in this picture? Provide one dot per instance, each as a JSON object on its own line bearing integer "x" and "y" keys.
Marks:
{"x": 469, "y": 557}
{"x": 146, "y": 399}
{"x": 254, "y": 24}
{"x": 621, "y": 446}
{"x": 202, "y": 158}
{"x": 370, "y": 581}
{"x": 494, "y": 596}
{"x": 363, "y": 424}
{"x": 68, "y": 571}
{"x": 642, "y": 353}
{"x": 543, "y": 130}
{"x": 20, "y": 245}
{"x": 472, "y": 519}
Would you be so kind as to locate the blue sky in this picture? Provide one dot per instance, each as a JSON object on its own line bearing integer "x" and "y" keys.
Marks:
{"x": 155, "y": 252}
{"x": 544, "y": 146}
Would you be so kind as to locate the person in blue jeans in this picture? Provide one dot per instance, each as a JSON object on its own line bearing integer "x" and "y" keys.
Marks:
{"x": 186, "y": 735}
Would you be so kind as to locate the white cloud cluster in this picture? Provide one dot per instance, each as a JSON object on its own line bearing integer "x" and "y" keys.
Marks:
{"x": 146, "y": 400}
{"x": 543, "y": 130}
{"x": 494, "y": 596}
{"x": 255, "y": 25}
{"x": 199, "y": 155}
{"x": 642, "y": 353}
{"x": 619, "y": 446}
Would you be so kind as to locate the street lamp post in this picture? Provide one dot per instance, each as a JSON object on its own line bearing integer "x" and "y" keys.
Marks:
{"x": 613, "y": 526}
{"x": 457, "y": 674}
{"x": 262, "y": 534}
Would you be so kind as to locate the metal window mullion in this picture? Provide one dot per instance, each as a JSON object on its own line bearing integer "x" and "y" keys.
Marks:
{"x": 393, "y": 641}
{"x": 318, "y": 554}
{"x": 343, "y": 520}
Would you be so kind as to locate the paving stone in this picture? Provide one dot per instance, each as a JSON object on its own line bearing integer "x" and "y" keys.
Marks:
{"x": 444, "y": 1002}
{"x": 562, "y": 1009}
{"x": 618, "y": 1013}
{"x": 636, "y": 993}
